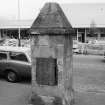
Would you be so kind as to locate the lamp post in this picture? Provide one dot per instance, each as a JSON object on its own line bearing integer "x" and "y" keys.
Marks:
{"x": 19, "y": 42}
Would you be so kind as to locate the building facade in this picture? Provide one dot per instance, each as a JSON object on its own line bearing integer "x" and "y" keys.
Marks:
{"x": 81, "y": 33}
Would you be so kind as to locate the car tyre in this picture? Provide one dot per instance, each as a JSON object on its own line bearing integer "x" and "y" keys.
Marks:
{"x": 11, "y": 76}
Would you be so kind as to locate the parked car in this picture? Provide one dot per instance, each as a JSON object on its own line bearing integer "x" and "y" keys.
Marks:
{"x": 104, "y": 54}
{"x": 76, "y": 50}
{"x": 15, "y": 62}
{"x": 75, "y": 47}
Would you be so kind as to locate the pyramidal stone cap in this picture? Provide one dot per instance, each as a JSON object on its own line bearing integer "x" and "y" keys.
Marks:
{"x": 51, "y": 20}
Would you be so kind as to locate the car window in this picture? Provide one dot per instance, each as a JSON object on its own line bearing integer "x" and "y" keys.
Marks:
{"x": 18, "y": 56}
{"x": 3, "y": 56}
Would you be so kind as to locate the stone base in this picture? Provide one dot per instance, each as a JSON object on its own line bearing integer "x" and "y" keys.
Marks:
{"x": 44, "y": 100}
{"x": 36, "y": 99}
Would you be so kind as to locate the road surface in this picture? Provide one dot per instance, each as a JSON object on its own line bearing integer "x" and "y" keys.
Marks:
{"x": 89, "y": 72}
{"x": 89, "y": 80}
{"x": 14, "y": 93}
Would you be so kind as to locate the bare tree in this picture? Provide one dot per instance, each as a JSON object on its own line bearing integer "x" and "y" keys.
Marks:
{"x": 92, "y": 29}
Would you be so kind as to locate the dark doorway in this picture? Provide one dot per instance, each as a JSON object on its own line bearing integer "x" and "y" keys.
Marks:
{"x": 83, "y": 38}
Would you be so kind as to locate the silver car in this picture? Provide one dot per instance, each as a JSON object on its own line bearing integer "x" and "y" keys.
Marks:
{"x": 15, "y": 62}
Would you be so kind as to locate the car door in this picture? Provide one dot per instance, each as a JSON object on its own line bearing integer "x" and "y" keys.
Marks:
{"x": 3, "y": 61}
{"x": 19, "y": 62}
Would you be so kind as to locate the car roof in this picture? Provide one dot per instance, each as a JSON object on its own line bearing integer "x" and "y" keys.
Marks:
{"x": 15, "y": 49}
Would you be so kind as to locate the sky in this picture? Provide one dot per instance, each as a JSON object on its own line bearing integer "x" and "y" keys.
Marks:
{"x": 76, "y": 10}
{"x": 85, "y": 14}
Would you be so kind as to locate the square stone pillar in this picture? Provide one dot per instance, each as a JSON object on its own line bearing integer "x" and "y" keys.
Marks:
{"x": 57, "y": 52}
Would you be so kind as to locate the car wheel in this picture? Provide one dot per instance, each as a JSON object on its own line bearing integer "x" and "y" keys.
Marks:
{"x": 11, "y": 76}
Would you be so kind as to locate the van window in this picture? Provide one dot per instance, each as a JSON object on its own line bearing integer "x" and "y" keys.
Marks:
{"x": 18, "y": 56}
{"x": 3, "y": 56}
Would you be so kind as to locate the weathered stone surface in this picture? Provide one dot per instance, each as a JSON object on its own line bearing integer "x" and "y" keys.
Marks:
{"x": 36, "y": 100}
{"x": 53, "y": 41}
{"x": 45, "y": 100}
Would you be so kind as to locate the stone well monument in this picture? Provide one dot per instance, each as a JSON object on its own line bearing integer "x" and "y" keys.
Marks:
{"x": 51, "y": 50}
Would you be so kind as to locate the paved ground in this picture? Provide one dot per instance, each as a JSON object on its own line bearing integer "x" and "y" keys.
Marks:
{"x": 14, "y": 93}
{"x": 89, "y": 72}
{"x": 89, "y": 98}
{"x": 89, "y": 80}
{"x": 89, "y": 84}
